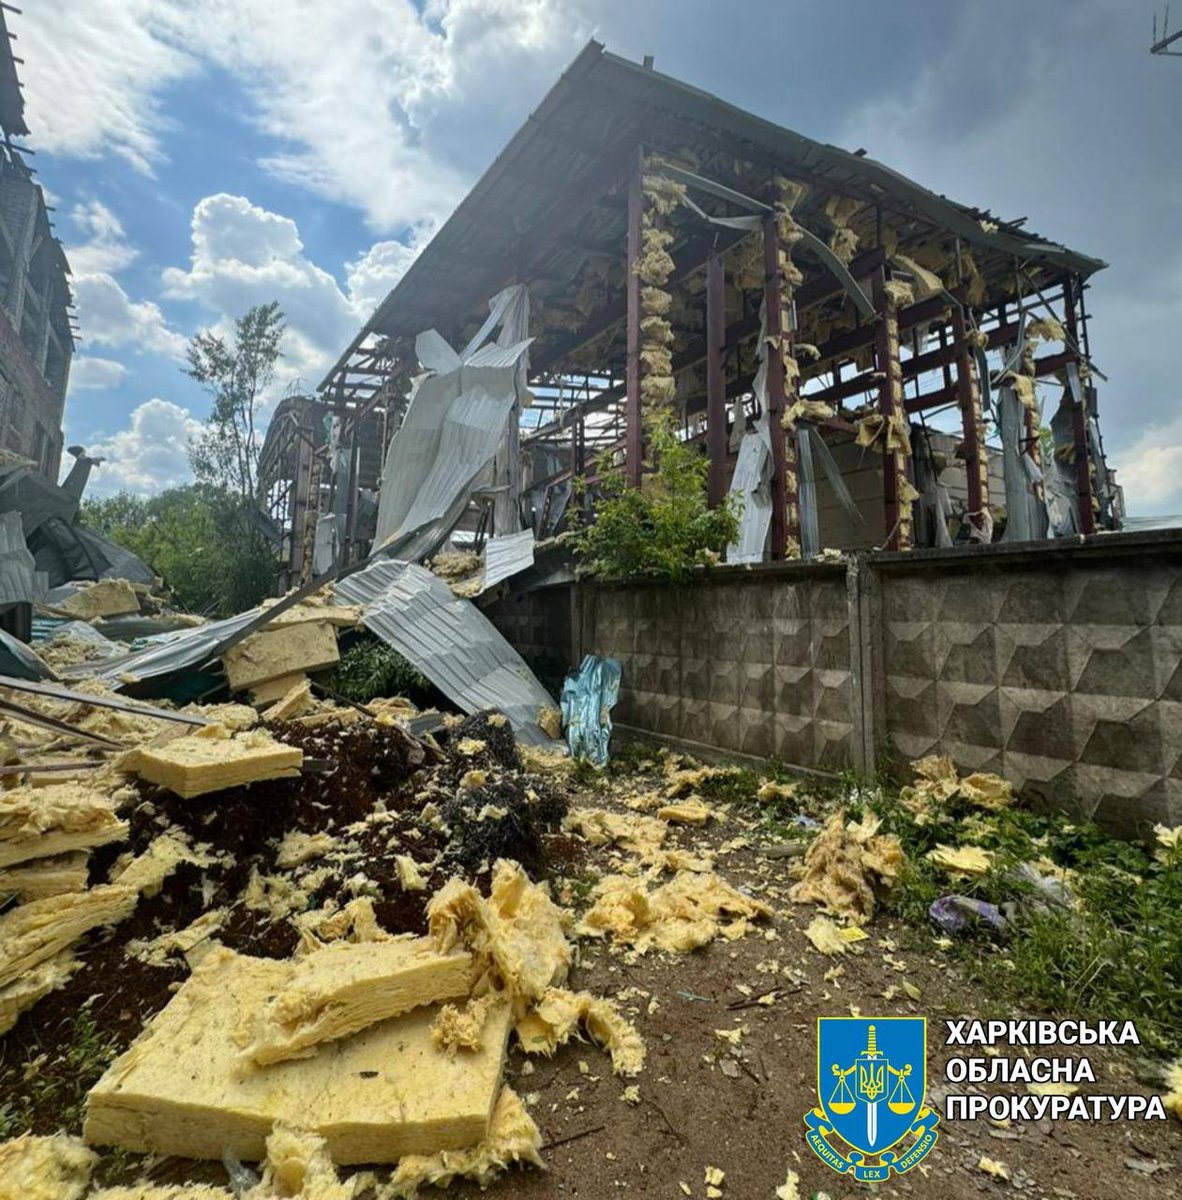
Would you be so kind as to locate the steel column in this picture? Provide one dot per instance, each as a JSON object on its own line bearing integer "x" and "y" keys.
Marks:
{"x": 774, "y": 312}
{"x": 633, "y": 437}
{"x": 1079, "y": 421}
{"x": 890, "y": 403}
{"x": 716, "y": 377}
{"x": 969, "y": 399}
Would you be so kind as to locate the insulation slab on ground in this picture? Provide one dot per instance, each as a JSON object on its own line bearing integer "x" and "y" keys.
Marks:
{"x": 44, "y": 877}
{"x": 271, "y": 690}
{"x": 107, "y": 598}
{"x": 213, "y": 758}
{"x": 374, "y": 1097}
{"x": 42, "y": 822}
{"x": 306, "y": 646}
{"x": 348, "y": 986}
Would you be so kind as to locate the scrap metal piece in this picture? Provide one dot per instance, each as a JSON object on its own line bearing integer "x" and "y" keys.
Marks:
{"x": 449, "y": 640}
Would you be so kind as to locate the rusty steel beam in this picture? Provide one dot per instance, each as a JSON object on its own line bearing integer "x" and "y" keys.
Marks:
{"x": 969, "y": 400}
{"x": 633, "y": 436}
{"x": 890, "y": 403}
{"x": 774, "y": 312}
{"x": 716, "y": 377}
{"x": 1079, "y": 423}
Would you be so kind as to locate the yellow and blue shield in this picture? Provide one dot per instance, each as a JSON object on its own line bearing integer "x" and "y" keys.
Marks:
{"x": 871, "y": 1080}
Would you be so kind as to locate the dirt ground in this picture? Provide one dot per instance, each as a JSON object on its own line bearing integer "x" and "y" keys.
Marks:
{"x": 704, "y": 1099}
{"x": 697, "y": 1110}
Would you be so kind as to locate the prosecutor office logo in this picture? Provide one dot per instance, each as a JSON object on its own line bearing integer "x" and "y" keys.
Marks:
{"x": 871, "y": 1118}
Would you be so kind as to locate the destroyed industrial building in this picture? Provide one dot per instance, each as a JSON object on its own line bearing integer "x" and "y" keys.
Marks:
{"x": 805, "y": 312}
{"x": 256, "y": 933}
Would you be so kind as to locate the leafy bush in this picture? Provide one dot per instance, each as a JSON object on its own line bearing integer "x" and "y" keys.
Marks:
{"x": 199, "y": 539}
{"x": 369, "y": 669}
{"x": 664, "y": 528}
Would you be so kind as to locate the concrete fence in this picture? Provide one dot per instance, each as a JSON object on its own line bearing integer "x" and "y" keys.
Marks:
{"x": 1055, "y": 664}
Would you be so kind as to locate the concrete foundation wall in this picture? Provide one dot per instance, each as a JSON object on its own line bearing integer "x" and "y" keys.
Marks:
{"x": 1057, "y": 665}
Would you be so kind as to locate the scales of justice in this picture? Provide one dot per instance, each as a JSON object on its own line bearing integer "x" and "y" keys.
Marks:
{"x": 871, "y": 1074}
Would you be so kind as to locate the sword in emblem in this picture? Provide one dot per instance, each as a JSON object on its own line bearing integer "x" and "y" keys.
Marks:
{"x": 871, "y": 1122}
{"x": 871, "y": 1087}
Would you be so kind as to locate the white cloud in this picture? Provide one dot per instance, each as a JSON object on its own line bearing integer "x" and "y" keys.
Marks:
{"x": 151, "y": 454}
{"x": 105, "y": 248}
{"x": 94, "y": 373}
{"x": 381, "y": 104}
{"x": 1150, "y": 470}
{"x": 93, "y": 72}
{"x": 243, "y": 255}
{"x": 110, "y": 318}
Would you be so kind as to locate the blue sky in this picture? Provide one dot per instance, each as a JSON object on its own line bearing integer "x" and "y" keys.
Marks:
{"x": 206, "y": 155}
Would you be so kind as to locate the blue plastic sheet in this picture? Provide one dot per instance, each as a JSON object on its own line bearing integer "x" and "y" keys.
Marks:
{"x": 588, "y": 697}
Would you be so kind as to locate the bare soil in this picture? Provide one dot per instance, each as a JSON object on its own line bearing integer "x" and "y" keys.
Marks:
{"x": 703, "y": 1101}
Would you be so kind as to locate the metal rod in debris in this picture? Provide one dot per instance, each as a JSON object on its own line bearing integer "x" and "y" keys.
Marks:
{"x": 56, "y": 692}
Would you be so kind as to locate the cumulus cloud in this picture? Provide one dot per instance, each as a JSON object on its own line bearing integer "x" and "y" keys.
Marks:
{"x": 88, "y": 372}
{"x": 243, "y": 255}
{"x": 93, "y": 74}
{"x": 1150, "y": 470}
{"x": 104, "y": 248}
{"x": 151, "y": 454}
{"x": 111, "y": 318}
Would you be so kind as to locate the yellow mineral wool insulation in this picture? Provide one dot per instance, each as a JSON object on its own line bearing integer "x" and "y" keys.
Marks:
{"x": 550, "y": 722}
{"x": 924, "y": 283}
{"x": 654, "y": 238}
{"x": 661, "y": 194}
{"x": 374, "y": 1097}
{"x": 827, "y": 937}
{"x": 908, "y": 493}
{"x": 456, "y": 1028}
{"x": 43, "y": 822}
{"x": 44, "y": 877}
{"x": 33, "y": 933}
{"x": 107, "y": 598}
{"x": 512, "y": 1138}
{"x": 789, "y": 191}
{"x": 971, "y": 275}
{"x": 657, "y": 359}
{"x": 937, "y": 782}
{"x": 297, "y": 701}
{"x": 961, "y": 860}
{"x": 299, "y": 1167}
{"x": 147, "y": 872}
{"x": 870, "y": 429}
{"x": 298, "y": 848}
{"x": 272, "y": 690}
{"x": 45, "y": 1168}
{"x": 1173, "y": 1097}
{"x": 804, "y": 409}
{"x": 899, "y": 292}
{"x": 518, "y": 931}
{"x": 655, "y": 302}
{"x": 306, "y": 646}
{"x": 987, "y": 791}
{"x": 898, "y": 434}
{"x": 771, "y": 791}
{"x": 681, "y": 781}
{"x": 557, "y": 1016}
{"x": 278, "y": 896}
{"x": 160, "y": 951}
{"x": 1045, "y": 329}
{"x": 847, "y": 867}
{"x": 1168, "y": 838}
{"x": 235, "y": 717}
{"x": 410, "y": 878}
{"x": 602, "y": 828}
{"x": 355, "y": 922}
{"x": 213, "y": 759}
{"x": 977, "y": 339}
{"x": 692, "y": 811}
{"x": 32, "y": 985}
{"x": 656, "y": 331}
{"x": 456, "y": 564}
{"x": 654, "y": 267}
{"x": 658, "y": 389}
{"x": 688, "y": 911}
{"x": 167, "y": 1191}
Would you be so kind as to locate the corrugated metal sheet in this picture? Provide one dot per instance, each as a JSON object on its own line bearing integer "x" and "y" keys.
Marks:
{"x": 449, "y": 640}
{"x": 18, "y": 583}
{"x": 507, "y": 556}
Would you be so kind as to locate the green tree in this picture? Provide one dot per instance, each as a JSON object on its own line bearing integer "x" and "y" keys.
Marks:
{"x": 664, "y": 528}
{"x": 235, "y": 374}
